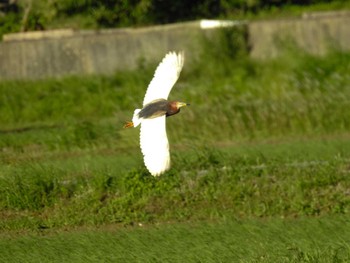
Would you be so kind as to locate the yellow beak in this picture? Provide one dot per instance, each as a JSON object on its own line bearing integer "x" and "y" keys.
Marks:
{"x": 182, "y": 104}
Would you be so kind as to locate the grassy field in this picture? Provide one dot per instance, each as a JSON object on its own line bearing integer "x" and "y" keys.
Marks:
{"x": 274, "y": 240}
{"x": 260, "y": 165}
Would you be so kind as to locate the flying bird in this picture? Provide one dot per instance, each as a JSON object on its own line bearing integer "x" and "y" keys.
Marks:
{"x": 156, "y": 107}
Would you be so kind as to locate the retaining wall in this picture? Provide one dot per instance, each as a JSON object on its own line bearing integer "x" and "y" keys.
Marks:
{"x": 57, "y": 53}
{"x": 66, "y": 52}
{"x": 313, "y": 32}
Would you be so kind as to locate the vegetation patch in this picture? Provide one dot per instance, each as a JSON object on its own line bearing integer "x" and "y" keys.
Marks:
{"x": 263, "y": 147}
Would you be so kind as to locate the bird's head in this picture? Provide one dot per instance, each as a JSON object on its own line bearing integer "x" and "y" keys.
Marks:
{"x": 174, "y": 107}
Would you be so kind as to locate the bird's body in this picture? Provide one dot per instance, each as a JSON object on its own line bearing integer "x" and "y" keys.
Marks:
{"x": 158, "y": 108}
{"x": 153, "y": 138}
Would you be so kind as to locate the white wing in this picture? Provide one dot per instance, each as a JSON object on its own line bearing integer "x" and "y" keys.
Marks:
{"x": 166, "y": 75}
{"x": 154, "y": 145}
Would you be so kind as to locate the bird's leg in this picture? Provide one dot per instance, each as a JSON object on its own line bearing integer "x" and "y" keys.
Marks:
{"x": 128, "y": 124}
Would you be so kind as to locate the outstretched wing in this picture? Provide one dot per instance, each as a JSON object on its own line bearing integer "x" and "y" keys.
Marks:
{"x": 166, "y": 75}
{"x": 154, "y": 145}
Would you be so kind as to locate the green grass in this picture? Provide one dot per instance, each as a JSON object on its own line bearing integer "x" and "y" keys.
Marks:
{"x": 260, "y": 158}
{"x": 297, "y": 94}
{"x": 307, "y": 178}
{"x": 276, "y": 240}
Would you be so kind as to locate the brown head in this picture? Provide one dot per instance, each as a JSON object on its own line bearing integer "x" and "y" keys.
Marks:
{"x": 174, "y": 107}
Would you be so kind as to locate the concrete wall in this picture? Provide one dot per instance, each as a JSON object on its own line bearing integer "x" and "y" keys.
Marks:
{"x": 67, "y": 52}
{"x": 81, "y": 52}
{"x": 314, "y": 32}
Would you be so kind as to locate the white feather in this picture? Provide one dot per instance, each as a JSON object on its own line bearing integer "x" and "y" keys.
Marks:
{"x": 135, "y": 119}
{"x": 154, "y": 145}
{"x": 165, "y": 76}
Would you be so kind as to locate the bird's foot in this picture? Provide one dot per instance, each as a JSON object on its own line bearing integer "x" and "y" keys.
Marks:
{"x": 128, "y": 124}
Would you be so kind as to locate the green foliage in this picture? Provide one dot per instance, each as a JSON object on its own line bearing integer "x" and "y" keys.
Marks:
{"x": 79, "y": 14}
{"x": 9, "y": 23}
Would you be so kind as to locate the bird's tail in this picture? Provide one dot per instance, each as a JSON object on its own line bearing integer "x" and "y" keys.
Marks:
{"x": 135, "y": 119}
